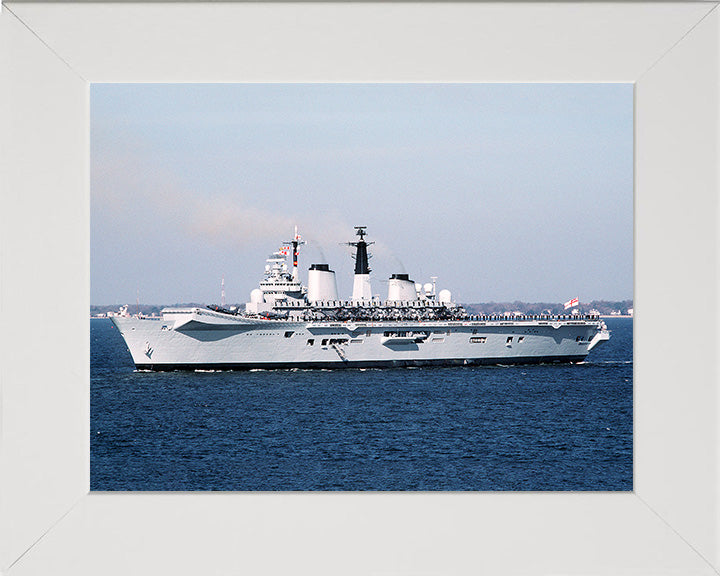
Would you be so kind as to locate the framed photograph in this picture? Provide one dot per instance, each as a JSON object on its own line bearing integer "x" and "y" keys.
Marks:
{"x": 52, "y": 53}
{"x": 432, "y": 348}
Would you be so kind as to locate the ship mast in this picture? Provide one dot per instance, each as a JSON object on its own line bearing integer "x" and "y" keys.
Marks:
{"x": 361, "y": 284}
{"x": 295, "y": 242}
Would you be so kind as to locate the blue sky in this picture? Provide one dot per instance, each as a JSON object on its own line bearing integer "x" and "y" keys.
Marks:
{"x": 503, "y": 191}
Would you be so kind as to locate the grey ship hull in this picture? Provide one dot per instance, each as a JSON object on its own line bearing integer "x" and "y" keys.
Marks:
{"x": 200, "y": 339}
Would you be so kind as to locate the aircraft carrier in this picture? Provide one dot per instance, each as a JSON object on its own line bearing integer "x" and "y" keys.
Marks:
{"x": 289, "y": 325}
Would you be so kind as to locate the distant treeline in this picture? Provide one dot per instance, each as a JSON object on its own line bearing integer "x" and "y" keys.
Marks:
{"x": 602, "y": 306}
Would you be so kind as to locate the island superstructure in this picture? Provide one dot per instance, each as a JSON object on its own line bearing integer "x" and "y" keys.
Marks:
{"x": 290, "y": 325}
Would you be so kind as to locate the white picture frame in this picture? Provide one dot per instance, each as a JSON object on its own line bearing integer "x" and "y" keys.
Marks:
{"x": 50, "y": 523}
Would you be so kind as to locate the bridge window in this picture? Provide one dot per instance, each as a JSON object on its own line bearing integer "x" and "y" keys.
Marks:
{"x": 288, "y": 333}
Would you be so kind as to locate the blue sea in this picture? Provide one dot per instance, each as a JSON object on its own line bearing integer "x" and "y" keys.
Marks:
{"x": 538, "y": 427}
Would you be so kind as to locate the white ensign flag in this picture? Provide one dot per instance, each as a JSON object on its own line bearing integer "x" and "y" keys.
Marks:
{"x": 571, "y": 303}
